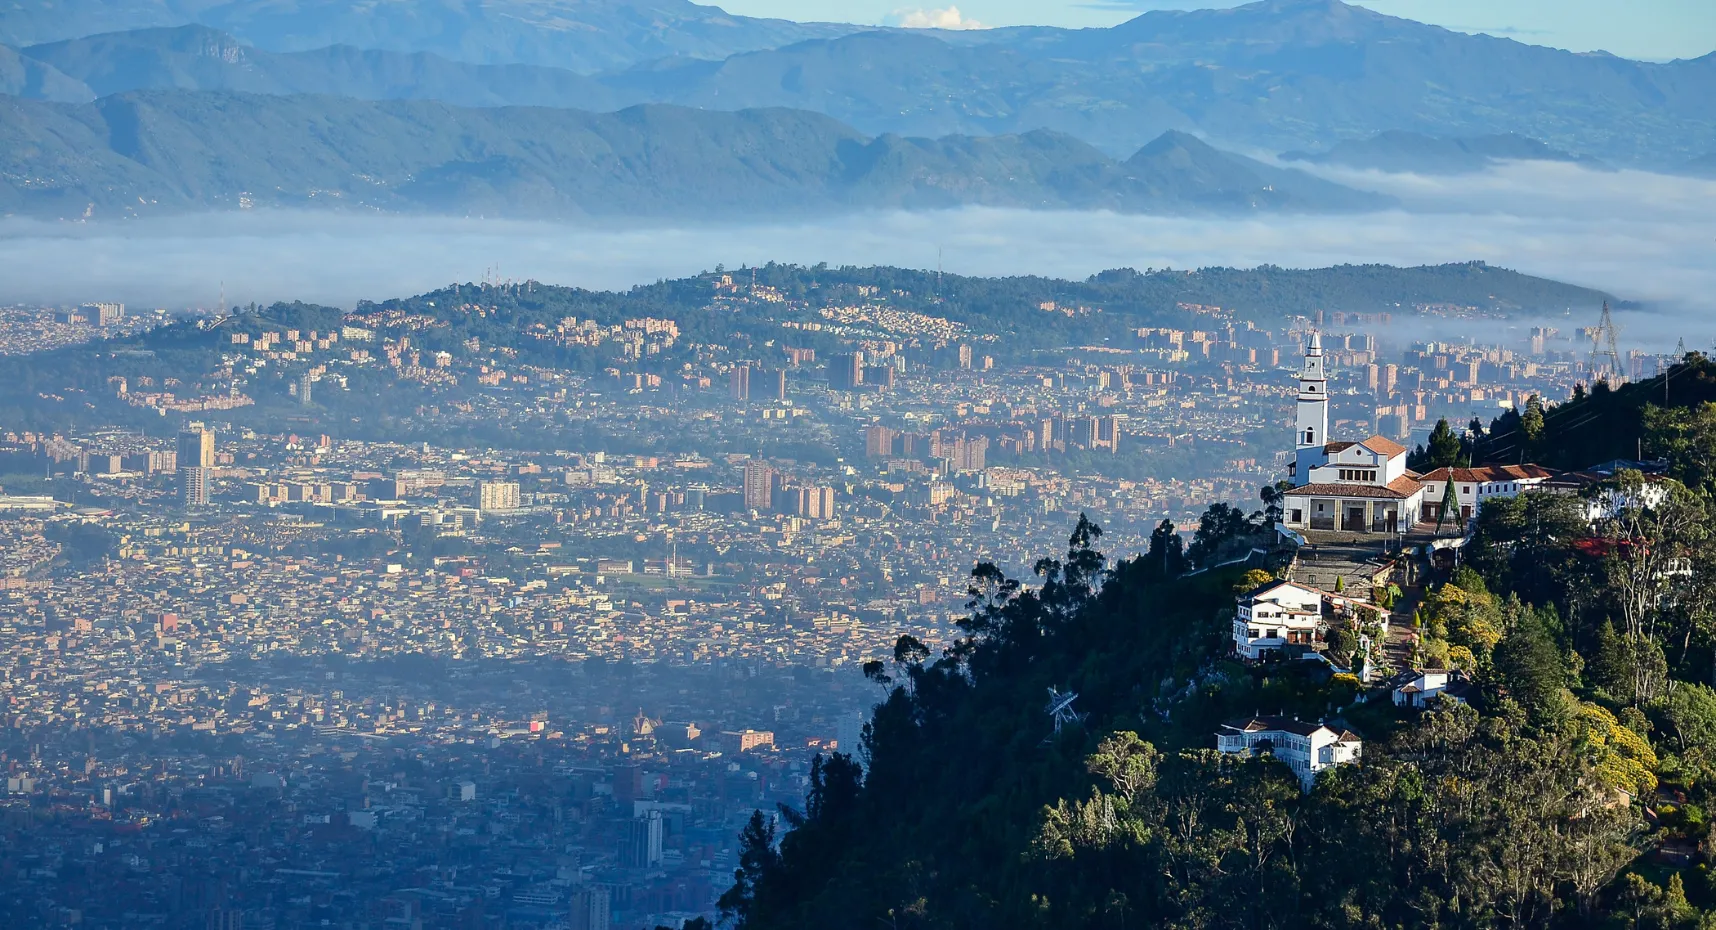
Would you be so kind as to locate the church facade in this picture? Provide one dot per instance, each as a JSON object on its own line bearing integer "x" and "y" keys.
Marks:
{"x": 1350, "y": 487}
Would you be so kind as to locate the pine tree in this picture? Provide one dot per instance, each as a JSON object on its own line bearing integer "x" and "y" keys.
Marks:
{"x": 1444, "y": 447}
{"x": 758, "y": 860}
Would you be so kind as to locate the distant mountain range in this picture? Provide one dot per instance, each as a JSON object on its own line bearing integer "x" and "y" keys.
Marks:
{"x": 1270, "y": 76}
{"x": 201, "y": 58}
{"x": 579, "y": 35}
{"x": 1414, "y": 152}
{"x": 157, "y": 151}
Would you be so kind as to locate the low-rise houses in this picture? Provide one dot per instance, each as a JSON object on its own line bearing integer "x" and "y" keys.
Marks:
{"x": 1286, "y": 616}
{"x": 1419, "y": 689}
{"x": 1473, "y": 486}
{"x": 1309, "y": 749}
{"x": 1278, "y": 615}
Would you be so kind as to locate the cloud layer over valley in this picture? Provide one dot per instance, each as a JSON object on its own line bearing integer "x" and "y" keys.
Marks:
{"x": 1644, "y": 237}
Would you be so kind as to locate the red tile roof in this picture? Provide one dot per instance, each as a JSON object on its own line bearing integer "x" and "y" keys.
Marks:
{"x": 1385, "y": 447}
{"x": 1399, "y": 489}
{"x": 1489, "y": 473}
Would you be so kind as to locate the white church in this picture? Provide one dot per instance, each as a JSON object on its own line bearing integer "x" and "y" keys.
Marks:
{"x": 1350, "y": 487}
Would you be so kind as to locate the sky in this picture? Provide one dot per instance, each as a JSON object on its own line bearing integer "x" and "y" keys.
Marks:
{"x": 1642, "y": 29}
{"x": 1640, "y": 236}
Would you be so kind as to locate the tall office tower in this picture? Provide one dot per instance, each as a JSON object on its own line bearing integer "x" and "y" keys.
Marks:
{"x": 304, "y": 389}
{"x": 740, "y": 386}
{"x": 640, "y": 842}
{"x": 196, "y": 458}
{"x": 497, "y": 495}
{"x": 965, "y": 358}
{"x": 196, "y": 447}
{"x": 846, "y": 372}
{"x": 759, "y": 486}
{"x": 780, "y": 385}
{"x": 194, "y": 486}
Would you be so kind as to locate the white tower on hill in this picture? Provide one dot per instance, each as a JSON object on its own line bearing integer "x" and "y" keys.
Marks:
{"x": 1313, "y": 419}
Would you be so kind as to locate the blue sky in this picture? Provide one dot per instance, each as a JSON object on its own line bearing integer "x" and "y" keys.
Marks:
{"x": 1648, "y": 29}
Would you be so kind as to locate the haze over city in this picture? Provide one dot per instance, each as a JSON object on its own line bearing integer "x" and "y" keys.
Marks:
{"x": 640, "y": 465}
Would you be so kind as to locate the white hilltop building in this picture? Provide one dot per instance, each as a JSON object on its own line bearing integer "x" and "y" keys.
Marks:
{"x": 1351, "y": 487}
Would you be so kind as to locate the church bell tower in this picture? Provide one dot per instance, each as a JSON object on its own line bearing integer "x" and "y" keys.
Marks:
{"x": 1313, "y": 418}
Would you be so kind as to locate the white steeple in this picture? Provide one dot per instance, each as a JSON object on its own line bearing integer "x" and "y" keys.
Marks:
{"x": 1312, "y": 423}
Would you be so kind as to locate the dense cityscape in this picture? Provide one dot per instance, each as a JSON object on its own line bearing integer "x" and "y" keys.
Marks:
{"x": 264, "y": 675}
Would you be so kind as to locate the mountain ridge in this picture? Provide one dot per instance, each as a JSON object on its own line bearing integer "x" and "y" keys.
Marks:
{"x": 195, "y": 57}
{"x": 162, "y": 151}
{"x": 1268, "y": 76}
{"x": 580, "y": 35}
{"x": 1275, "y": 76}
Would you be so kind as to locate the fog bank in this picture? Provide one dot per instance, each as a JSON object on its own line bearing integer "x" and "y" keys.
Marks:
{"x": 1641, "y": 236}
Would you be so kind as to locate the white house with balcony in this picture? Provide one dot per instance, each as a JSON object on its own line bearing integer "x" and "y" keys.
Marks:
{"x": 1309, "y": 749}
{"x": 1277, "y": 615}
{"x": 1357, "y": 487}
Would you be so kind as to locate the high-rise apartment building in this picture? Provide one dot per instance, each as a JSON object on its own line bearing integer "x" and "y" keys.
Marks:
{"x": 759, "y": 486}
{"x": 740, "y": 386}
{"x": 497, "y": 495}
{"x": 816, "y": 503}
{"x": 194, "y": 486}
{"x": 879, "y": 442}
{"x": 1101, "y": 433}
{"x": 103, "y": 314}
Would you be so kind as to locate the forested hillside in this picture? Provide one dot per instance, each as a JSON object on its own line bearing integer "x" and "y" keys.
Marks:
{"x": 1572, "y": 790}
{"x": 1643, "y": 419}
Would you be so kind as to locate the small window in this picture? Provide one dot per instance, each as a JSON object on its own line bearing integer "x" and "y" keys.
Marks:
{"x": 1298, "y": 516}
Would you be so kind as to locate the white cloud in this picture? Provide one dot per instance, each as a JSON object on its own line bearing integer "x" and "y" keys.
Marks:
{"x": 1641, "y": 236}
{"x": 949, "y": 18}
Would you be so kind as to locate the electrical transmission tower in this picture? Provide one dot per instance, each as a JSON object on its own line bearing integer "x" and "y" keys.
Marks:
{"x": 1603, "y": 347}
{"x": 1060, "y": 708}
